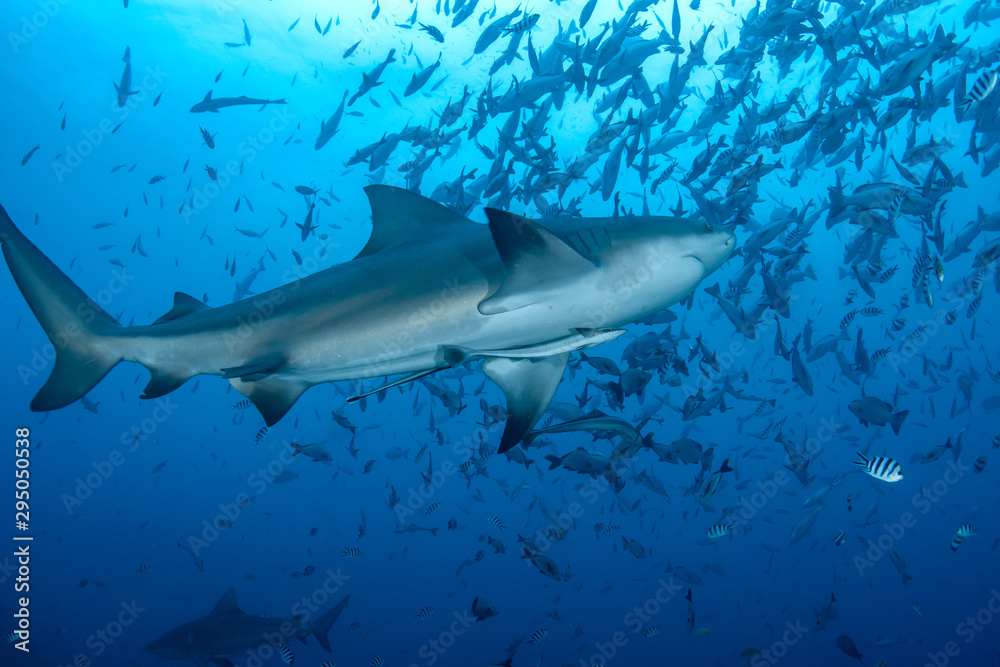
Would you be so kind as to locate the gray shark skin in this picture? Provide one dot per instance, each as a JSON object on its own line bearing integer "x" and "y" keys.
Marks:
{"x": 213, "y": 104}
{"x": 430, "y": 290}
{"x": 228, "y": 630}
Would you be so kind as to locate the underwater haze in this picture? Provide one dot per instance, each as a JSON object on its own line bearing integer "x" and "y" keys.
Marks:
{"x": 784, "y": 452}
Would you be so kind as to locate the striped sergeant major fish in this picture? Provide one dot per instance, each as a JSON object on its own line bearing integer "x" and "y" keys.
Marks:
{"x": 717, "y": 531}
{"x": 964, "y": 531}
{"x": 881, "y": 467}
{"x": 983, "y": 86}
{"x": 839, "y": 538}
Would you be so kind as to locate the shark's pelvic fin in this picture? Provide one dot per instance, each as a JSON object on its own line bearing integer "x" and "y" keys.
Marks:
{"x": 184, "y": 304}
{"x": 535, "y": 261}
{"x": 399, "y": 216}
{"x": 272, "y": 396}
{"x": 78, "y": 328}
{"x": 529, "y": 385}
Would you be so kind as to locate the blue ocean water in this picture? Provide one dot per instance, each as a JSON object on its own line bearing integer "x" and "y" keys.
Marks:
{"x": 141, "y": 512}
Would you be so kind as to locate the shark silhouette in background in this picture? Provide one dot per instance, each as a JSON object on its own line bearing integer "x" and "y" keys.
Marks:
{"x": 228, "y": 630}
{"x": 431, "y": 290}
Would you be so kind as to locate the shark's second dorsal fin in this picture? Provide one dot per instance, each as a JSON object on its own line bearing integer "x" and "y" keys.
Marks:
{"x": 400, "y": 216}
{"x": 535, "y": 261}
{"x": 184, "y": 304}
{"x": 226, "y": 606}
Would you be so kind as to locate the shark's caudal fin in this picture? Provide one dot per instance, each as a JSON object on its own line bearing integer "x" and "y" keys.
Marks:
{"x": 78, "y": 328}
{"x": 321, "y": 628}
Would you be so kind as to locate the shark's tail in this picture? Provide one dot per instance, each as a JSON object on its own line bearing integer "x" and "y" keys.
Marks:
{"x": 322, "y": 626}
{"x": 78, "y": 328}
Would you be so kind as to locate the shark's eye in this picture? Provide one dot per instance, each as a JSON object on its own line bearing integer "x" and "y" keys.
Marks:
{"x": 708, "y": 226}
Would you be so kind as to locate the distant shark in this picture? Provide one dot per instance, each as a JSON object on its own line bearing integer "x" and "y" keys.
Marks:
{"x": 213, "y": 104}
{"x": 431, "y": 290}
{"x": 228, "y": 630}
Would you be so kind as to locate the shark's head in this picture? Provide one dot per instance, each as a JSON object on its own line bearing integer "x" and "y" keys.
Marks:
{"x": 709, "y": 244}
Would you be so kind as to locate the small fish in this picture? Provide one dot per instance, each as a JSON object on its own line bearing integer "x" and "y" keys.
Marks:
{"x": 425, "y": 612}
{"x": 159, "y": 466}
{"x": 538, "y": 636}
{"x": 432, "y": 508}
{"x": 351, "y": 552}
{"x": 524, "y": 24}
{"x": 848, "y": 318}
{"x": 242, "y": 405}
{"x": 433, "y": 31}
{"x": 881, "y": 467}
{"x": 983, "y": 86}
{"x": 839, "y": 538}
{"x": 368, "y": 467}
{"x": 653, "y": 631}
{"x": 964, "y": 531}
{"x": 495, "y": 522}
{"x": 979, "y": 464}
{"x": 208, "y": 138}
{"x": 143, "y": 569}
{"x": 249, "y": 577}
{"x": 717, "y": 531}
{"x": 27, "y": 157}
{"x": 286, "y": 655}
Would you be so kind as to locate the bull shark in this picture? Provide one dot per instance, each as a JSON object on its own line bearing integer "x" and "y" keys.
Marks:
{"x": 431, "y": 290}
{"x": 228, "y": 630}
{"x": 213, "y": 104}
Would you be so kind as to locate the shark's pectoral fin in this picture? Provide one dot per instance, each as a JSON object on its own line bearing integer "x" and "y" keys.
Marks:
{"x": 535, "y": 261}
{"x": 272, "y": 396}
{"x": 529, "y": 385}
{"x": 184, "y": 304}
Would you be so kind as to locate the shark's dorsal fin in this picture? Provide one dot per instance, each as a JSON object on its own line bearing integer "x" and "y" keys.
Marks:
{"x": 226, "y": 606}
{"x": 534, "y": 259}
{"x": 208, "y": 96}
{"x": 184, "y": 304}
{"x": 400, "y": 216}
